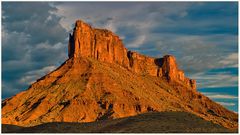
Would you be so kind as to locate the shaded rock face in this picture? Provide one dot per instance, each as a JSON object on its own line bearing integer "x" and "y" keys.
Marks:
{"x": 105, "y": 46}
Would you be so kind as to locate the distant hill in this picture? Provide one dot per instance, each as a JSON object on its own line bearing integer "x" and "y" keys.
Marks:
{"x": 103, "y": 80}
{"x": 155, "y": 122}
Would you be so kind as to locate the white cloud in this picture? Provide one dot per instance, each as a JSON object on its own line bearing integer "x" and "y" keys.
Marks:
{"x": 137, "y": 42}
{"x": 226, "y": 104}
{"x": 32, "y": 76}
{"x": 183, "y": 14}
{"x": 231, "y": 60}
{"x": 222, "y": 96}
{"x": 215, "y": 80}
{"x": 219, "y": 96}
{"x": 29, "y": 79}
{"x": 46, "y": 45}
{"x": 44, "y": 70}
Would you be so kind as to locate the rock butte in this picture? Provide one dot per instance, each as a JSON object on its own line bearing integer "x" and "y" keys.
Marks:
{"x": 103, "y": 80}
{"x": 105, "y": 46}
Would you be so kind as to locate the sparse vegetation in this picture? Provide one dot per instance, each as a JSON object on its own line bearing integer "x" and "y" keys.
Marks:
{"x": 164, "y": 122}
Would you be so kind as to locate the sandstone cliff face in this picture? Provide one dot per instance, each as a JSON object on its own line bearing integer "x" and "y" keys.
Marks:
{"x": 105, "y": 46}
{"x": 100, "y": 44}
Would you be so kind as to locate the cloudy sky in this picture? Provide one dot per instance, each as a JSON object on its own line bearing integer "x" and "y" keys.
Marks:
{"x": 202, "y": 35}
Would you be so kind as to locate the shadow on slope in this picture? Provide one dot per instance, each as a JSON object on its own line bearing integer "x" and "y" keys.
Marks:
{"x": 154, "y": 122}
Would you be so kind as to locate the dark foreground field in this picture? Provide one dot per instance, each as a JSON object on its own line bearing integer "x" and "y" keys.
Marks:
{"x": 164, "y": 122}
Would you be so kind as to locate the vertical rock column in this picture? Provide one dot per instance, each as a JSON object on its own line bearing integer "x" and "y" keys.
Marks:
{"x": 83, "y": 37}
{"x": 172, "y": 73}
{"x": 169, "y": 67}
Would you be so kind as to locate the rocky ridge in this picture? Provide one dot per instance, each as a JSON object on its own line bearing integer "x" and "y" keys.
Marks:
{"x": 105, "y": 46}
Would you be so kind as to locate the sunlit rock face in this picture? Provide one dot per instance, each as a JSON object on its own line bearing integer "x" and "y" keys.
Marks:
{"x": 100, "y": 44}
{"x": 105, "y": 46}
